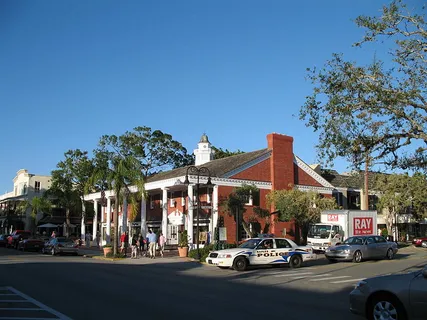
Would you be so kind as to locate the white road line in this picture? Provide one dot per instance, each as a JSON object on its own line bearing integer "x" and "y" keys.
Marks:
{"x": 330, "y": 278}
{"x": 293, "y": 274}
{"x": 39, "y": 304}
{"x": 351, "y": 280}
{"x": 316, "y": 276}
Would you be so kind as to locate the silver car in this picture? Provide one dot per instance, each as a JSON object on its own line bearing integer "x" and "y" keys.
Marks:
{"x": 360, "y": 248}
{"x": 392, "y": 297}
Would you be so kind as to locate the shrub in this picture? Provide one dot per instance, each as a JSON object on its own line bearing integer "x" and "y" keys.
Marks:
{"x": 204, "y": 252}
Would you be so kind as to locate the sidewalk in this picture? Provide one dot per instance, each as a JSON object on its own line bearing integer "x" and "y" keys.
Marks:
{"x": 94, "y": 251}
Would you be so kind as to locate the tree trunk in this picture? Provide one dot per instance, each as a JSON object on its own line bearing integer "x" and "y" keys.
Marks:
{"x": 116, "y": 226}
{"x": 304, "y": 231}
{"x": 297, "y": 233}
{"x": 67, "y": 222}
{"x": 247, "y": 228}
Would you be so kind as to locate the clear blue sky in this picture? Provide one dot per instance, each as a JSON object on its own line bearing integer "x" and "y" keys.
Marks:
{"x": 71, "y": 71}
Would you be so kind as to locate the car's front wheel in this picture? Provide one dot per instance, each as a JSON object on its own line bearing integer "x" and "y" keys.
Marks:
{"x": 385, "y": 306}
{"x": 240, "y": 264}
{"x": 357, "y": 257}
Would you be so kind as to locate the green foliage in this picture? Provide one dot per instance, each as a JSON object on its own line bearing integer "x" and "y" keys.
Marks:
{"x": 234, "y": 204}
{"x": 370, "y": 112}
{"x": 204, "y": 252}
{"x": 221, "y": 153}
{"x": 302, "y": 207}
{"x": 183, "y": 239}
{"x": 384, "y": 232}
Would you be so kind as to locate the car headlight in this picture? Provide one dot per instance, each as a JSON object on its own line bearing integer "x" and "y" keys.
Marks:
{"x": 346, "y": 251}
{"x": 327, "y": 250}
{"x": 222, "y": 256}
{"x": 361, "y": 284}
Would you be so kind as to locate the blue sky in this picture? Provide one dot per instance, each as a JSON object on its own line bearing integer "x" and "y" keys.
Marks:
{"x": 71, "y": 71}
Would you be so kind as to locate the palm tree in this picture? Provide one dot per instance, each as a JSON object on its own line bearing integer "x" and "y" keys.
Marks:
{"x": 37, "y": 205}
{"x": 122, "y": 174}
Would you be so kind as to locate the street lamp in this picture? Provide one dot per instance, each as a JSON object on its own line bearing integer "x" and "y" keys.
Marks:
{"x": 198, "y": 172}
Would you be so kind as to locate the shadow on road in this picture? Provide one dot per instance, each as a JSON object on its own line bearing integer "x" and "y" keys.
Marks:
{"x": 104, "y": 290}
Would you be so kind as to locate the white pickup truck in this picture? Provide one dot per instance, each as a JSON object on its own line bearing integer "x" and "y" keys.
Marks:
{"x": 262, "y": 251}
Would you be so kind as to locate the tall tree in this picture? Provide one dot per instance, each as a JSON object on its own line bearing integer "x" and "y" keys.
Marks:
{"x": 302, "y": 207}
{"x": 221, "y": 153}
{"x": 371, "y": 110}
{"x": 394, "y": 196}
{"x": 37, "y": 205}
{"x": 69, "y": 182}
{"x": 155, "y": 150}
{"x": 234, "y": 204}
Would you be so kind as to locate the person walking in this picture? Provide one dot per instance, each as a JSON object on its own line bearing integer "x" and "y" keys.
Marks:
{"x": 162, "y": 242}
{"x": 140, "y": 245}
{"x": 152, "y": 240}
{"x": 134, "y": 246}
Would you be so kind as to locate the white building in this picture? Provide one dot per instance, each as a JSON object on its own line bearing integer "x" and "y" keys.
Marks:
{"x": 26, "y": 186}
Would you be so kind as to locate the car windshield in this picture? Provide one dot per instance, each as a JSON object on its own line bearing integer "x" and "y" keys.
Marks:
{"x": 250, "y": 244}
{"x": 354, "y": 241}
{"x": 319, "y": 231}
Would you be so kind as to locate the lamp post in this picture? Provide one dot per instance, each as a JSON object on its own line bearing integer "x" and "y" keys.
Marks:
{"x": 198, "y": 171}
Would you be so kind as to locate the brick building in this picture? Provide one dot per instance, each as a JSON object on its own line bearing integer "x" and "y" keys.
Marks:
{"x": 171, "y": 205}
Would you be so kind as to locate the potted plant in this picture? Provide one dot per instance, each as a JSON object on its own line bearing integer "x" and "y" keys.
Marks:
{"x": 108, "y": 249}
{"x": 183, "y": 244}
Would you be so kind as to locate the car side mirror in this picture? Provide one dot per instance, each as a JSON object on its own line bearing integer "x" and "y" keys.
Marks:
{"x": 425, "y": 272}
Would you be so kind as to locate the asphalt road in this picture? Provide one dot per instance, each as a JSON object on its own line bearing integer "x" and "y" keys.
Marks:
{"x": 84, "y": 288}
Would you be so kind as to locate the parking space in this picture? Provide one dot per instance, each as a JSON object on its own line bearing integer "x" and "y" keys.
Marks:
{"x": 17, "y": 305}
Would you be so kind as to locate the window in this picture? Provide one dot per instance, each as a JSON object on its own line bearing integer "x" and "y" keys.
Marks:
{"x": 37, "y": 186}
{"x": 282, "y": 244}
{"x": 151, "y": 202}
{"x": 380, "y": 239}
{"x": 370, "y": 240}
{"x": 171, "y": 200}
{"x": 266, "y": 244}
{"x": 24, "y": 189}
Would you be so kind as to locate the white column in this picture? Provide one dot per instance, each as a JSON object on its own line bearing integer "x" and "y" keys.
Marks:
{"x": 215, "y": 213}
{"x": 95, "y": 220}
{"x": 124, "y": 214}
{"x": 190, "y": 230}
{"x": 143, "y": 216}
{"x": 108, "y": 231}
{"x": 83, "y": 225}
{"x": 165, "y": 212}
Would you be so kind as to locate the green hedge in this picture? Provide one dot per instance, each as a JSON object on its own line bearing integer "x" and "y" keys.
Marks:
{"x": 204, "y": 252}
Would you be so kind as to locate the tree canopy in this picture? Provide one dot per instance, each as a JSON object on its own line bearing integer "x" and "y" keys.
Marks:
{"x": 377, "y": 109}
{"x": 302, "y": 207}
{"x": 221, "y": 153}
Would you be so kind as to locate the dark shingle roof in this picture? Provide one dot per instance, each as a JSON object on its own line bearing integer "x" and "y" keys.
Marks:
{"x": 218, "y": 168}
{"x": 355, "y": 180}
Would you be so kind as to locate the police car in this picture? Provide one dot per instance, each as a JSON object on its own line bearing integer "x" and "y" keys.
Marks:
{"x": 262, "y": 251}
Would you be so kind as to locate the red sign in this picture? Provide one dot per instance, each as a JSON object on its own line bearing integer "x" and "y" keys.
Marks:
{"x": 362, "y": 226}
{"x": 332, "y": 217}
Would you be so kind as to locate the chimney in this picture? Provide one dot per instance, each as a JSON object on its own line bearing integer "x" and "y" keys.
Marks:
{"x": 281, "y": 161}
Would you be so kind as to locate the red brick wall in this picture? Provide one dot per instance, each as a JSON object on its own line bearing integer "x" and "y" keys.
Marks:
{"x": 259, "y": 172}
{"x": 303, "y": 178}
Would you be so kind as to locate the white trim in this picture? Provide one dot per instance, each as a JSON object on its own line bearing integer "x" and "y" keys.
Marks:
{"x": 323, "y": 190}
{"x": 247, "y": 165}
{"x": 307, "y": 169}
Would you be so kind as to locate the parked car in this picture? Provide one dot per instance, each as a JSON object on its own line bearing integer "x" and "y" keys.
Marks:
{"x": 31, "y": 244}
{"x": 3, "y": 240}
{"x": 396, "y": 296}
{"x": 16, "y": 236}
{"x": 420, "y": 242}
{"x": 262, "y": 251}
{"x": 61, "y": 245}
{"x": 361, "y": 248}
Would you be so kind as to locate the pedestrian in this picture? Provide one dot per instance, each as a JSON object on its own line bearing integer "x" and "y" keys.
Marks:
{"x": 53, "y": 234}
{"x": 141, "y": 245}
{"x": 98, "y": 238}
{"x": 87, "y": 239}
{"x": 152, "y": 241}
{"x": 162, "y": 242}
{"x": 122, "y": 243}
{"x": 134, "y": 246}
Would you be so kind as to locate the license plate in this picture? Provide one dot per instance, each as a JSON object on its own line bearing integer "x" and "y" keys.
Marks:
{"x": 210, "y": 261}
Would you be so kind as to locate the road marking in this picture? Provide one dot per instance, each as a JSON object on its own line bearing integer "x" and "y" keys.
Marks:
{"x": 293, "y": 274}
{"x": 330, "y": 278}
{"x": 308, "y": 276}
{"x": 26, "y": 298}
{"x": 351, "y": 280}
